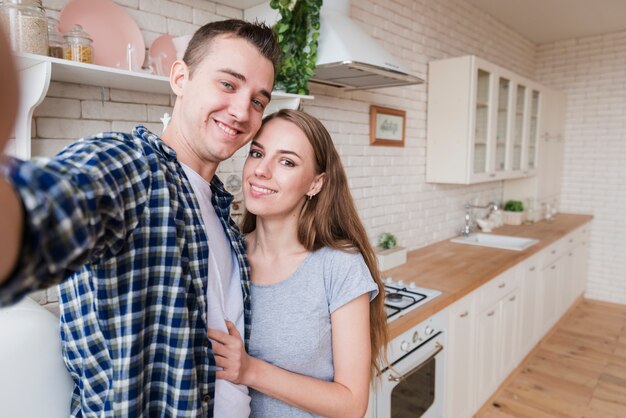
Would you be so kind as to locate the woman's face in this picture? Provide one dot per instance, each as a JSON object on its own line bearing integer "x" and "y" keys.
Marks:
{"x": 279, "y": 171}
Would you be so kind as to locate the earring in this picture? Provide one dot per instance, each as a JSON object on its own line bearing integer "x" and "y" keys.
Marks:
{"x": 310, "y": 196}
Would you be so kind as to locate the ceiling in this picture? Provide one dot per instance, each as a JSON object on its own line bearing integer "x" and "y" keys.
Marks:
{"x": 544, "y": 21}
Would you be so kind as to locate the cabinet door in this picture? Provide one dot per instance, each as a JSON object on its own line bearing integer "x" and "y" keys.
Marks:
{"x": 502, "y": 129}
{"x": 482, "y": 130}
{"x": 549, "y": 278}
{"x": 519, "y": 125}
{"x": 531, "y": 306}
{"x": 460, "y": 381}
{"x": 488, "y": 342}
{"x": 509, "y": 327}
{"x": 533, "y": 132}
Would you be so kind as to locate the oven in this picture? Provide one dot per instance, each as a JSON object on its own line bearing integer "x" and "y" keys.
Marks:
{"x": 413, "y": 386}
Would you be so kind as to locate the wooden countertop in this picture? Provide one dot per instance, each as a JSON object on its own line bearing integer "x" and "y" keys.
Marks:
{"x": 457, "y": 269}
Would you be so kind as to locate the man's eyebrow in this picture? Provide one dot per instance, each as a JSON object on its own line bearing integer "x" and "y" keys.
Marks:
{"x": 241, "y": 77}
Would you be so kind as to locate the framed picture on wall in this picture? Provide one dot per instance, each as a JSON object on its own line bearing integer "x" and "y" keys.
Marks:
{"x": 387, "y": 126}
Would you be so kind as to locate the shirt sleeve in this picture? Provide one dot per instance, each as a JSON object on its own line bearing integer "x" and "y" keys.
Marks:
{"x": 348, "y": 277}
{"x": 78, "y": 205}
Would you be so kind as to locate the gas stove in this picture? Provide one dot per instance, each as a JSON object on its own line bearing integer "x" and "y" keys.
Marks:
{"x": 401, "y": 298}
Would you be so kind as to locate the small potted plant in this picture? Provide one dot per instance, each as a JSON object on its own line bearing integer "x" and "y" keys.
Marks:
{"x": 513, "y": 212}
{"x": 388, "y": 253}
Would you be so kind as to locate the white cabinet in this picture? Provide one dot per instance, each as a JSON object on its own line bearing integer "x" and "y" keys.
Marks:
{"x": 494, "y": 327}
{"x": 532, "y": 304}
{"x": 460, "y": 372}
{"x": 36, "y": 72}
{"x": 497, "y": 331}
{"x": 545, "y": 186}
{"x": 483, "y": 122}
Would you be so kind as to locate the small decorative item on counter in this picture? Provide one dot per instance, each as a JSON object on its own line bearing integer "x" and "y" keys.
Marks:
{"x": 513, "y": 212}
{"x": 78, "y": 45}
{"x": 56, "y": 42}
{"x": 388, "y": 254}
{"x": 26, "y": 23}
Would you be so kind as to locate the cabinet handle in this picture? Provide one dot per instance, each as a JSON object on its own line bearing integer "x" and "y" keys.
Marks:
{"x": 571, "y": 240}
{"x": 501, "y": 285}
{"x": 570, "y": 254}
{"x": 492, "y": 174}
{"x": 533, "y": 268}
{"x": 464, "y": 314}
{"x": 553, "y": 251}
{"x": 491, "y": 313}
{"x": 512, "y": 298}
{"x": 552, "y": 267}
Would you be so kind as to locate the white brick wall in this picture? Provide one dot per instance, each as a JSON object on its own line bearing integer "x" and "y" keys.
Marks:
{"x": 387, "y": 183}
{"x": 592, "y": 73}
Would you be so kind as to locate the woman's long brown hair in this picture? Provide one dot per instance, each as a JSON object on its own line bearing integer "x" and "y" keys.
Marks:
{"x": 330, "y": 219}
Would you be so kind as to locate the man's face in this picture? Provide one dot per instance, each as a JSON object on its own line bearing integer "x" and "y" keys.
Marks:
{"x": 222, "y": 103}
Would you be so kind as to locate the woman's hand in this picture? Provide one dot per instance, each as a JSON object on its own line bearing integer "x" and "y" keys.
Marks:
{"x": 230, "y": 354}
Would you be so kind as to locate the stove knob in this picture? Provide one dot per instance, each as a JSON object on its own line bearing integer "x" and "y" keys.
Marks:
{"x": 416, "y": 336}
{"x": 401, "y": 283}
{"x": 412, "y": 285}
{"x": 429, "y": 331}
{"x": 404, "y": 346}
{"x": 389, "y": 281}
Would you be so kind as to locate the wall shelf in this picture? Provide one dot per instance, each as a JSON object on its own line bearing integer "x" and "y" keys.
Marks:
{"x": 36, "y": 72}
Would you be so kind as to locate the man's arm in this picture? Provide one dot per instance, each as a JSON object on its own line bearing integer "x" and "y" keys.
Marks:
{"x": 11, "y": 224}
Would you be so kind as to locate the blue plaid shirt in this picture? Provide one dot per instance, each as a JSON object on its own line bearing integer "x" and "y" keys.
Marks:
{"x": 114, "y": 218}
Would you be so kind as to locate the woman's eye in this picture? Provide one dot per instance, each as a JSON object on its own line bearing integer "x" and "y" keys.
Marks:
{"x": 254, "y": 153}
{"x": 287, "y": 163}
{"x": 227, "y": 85}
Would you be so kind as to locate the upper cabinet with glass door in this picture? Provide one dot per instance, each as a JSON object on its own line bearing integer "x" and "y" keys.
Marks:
{"x": 480, "y": 122}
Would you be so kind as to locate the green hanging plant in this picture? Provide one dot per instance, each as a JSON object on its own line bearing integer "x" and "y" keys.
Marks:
{"x": 298, "y": 33}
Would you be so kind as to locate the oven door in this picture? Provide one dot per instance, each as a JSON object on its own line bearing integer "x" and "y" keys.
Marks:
{"x": 414, "y": 386}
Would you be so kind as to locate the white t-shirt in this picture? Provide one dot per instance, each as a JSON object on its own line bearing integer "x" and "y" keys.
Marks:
{"x": 224, "y": 295}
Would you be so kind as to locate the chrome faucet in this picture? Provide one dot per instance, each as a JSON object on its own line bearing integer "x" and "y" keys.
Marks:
{"x": 468, "y": 228}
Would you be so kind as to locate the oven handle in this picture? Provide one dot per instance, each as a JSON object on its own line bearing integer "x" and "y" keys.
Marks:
{"x": 438, "y": 348}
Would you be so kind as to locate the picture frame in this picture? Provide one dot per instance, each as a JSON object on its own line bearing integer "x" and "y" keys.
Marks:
{"x": 387, "y": 126}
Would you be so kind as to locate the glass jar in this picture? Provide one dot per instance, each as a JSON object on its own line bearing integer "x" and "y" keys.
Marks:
{"x": 26, "y": 23}
{"x": 56, "y": 42}
{"x": 78, "y": 45}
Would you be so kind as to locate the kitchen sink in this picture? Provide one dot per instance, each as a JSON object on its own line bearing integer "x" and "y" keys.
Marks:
{"x": 496, "y": 241}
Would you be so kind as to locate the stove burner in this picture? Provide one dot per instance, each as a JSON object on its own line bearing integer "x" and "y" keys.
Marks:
{"x": 394, "y": 297}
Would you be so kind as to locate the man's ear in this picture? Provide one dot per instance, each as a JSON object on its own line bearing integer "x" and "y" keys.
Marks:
{"x": 179, "y": 76}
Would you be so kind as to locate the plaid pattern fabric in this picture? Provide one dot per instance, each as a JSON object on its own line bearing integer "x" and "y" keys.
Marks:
{"x": 116, "y": 214}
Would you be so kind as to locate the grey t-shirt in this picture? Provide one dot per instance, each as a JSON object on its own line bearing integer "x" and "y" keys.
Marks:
{"x": 291, "y": 320}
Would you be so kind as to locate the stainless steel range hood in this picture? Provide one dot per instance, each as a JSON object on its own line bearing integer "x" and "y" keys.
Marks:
{"x": 351, "y": 59}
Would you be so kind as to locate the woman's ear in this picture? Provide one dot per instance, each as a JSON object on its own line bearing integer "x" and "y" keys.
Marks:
{"x": 317, "y": 184}
{"x": 178, "y": 77}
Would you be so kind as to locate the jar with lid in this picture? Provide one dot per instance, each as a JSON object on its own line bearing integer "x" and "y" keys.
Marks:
{"x": 26, "y": 23}
{"x": 78, "y": 45}
{"x": 56, "y": 42}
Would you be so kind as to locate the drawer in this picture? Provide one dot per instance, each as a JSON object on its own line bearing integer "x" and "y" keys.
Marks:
{"x": 552, "y": 252}
{"x": 496, "y": 289}
{"x": 576, "y": 237}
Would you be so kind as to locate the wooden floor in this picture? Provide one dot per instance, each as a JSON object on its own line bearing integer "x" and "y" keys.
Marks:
{"x": 578, "y": 371}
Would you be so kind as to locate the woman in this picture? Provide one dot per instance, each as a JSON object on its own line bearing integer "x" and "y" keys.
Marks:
{"x": 318, "y": 322}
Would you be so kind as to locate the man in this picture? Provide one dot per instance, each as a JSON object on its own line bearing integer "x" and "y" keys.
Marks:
{"x": 140, "y": 228}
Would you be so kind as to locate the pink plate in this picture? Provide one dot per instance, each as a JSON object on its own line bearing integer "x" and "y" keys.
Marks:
{"x": 111, "y": 29}
{"x": 162, "y": 55}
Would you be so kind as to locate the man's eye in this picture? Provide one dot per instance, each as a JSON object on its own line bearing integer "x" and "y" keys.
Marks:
{"x": 258, "y": 104}
{"x": 228, "y": 85}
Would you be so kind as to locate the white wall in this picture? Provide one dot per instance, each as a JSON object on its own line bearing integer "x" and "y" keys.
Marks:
{"x": 387, "y": 183}
{"x": 592, "y": 73}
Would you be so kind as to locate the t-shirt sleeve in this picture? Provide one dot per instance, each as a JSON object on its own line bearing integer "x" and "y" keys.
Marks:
{"x": 347, "y": 277}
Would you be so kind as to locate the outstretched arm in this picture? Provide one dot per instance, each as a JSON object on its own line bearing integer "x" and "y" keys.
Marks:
{"x": 11, "y": 221}
{"x": 346, "y": 396}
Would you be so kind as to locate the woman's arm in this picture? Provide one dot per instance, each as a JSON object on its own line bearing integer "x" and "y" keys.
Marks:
{"x": 346, "y": 396}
